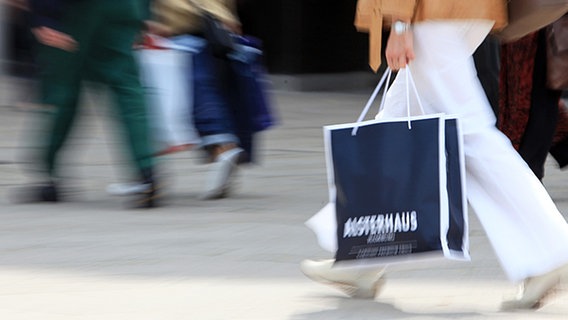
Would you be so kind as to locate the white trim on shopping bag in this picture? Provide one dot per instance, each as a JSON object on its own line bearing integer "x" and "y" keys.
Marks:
{"x": 443, "y": 177}
{"x": 374, "y": 121}
{"x": 464, "y": 254}
{"x": 444, "y": 223}
{"x": 329, "y": 163}
{"x": 465, "y": 243}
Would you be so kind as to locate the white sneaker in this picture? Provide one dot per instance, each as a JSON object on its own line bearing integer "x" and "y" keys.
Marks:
{"x": 127, "y": 188}
{"x": 361, "y": 284}
{"x": 220, "y": 174}
{"x": 536, "y": 289}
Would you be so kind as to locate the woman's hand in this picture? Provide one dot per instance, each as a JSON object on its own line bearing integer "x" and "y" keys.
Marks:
{"x": 400, "y": 49}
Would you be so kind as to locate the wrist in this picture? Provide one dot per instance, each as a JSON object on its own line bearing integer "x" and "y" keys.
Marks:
{"x": 400, "y": 27}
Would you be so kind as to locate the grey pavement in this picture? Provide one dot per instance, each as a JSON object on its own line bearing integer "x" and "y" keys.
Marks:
{"x": 236, "y": 258}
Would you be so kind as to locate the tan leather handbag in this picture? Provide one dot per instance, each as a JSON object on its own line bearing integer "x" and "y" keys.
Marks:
{"x": 557, "y": 54}
{"x": 526, "y": 16}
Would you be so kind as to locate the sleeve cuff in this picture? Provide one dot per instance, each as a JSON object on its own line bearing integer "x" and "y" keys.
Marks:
{"x": 41, "y": 21}
{"x": 399, "y": 8}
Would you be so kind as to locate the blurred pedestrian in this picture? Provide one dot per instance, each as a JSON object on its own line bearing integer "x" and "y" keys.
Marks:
{"x": 182, "y": 22}
{"x": 528, "y": 110}
{"x": 435, "y": 39}
{"x": 93, "y": 37}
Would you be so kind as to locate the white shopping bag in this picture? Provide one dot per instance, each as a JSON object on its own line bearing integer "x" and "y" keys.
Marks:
{"x": 167, "y": 77}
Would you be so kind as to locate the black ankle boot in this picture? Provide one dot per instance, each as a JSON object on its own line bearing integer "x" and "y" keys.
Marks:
{"x": 148, "y": 197}
{"x": 46, "y": 192}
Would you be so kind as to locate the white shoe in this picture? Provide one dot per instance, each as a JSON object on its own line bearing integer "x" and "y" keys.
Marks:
{"x": 361, "y": 284}
{"x": 220, "y": 174}
{"x": 537, "y": 289}
{"x": 127, "y": 188}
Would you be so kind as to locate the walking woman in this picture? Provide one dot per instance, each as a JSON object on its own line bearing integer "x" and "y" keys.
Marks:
{"x": 181, "y": 22}
{"x": 435, "y": 39}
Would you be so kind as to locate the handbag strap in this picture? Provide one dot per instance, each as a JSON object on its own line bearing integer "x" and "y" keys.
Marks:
{"x": 385, "y": 80}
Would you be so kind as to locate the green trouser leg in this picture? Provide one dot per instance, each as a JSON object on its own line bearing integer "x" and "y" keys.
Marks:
{"x": 105, "y": 31}
{"x": 62, "y": 96}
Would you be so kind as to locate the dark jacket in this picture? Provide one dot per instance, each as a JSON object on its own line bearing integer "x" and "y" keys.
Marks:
{"x": 47, "y": 13}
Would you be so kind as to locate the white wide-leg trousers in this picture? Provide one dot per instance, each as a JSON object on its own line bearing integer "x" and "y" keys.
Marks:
{"x": 526, "y": 230}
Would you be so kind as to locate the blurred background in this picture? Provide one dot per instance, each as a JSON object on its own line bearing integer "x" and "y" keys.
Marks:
{"x": 302, "y": 39}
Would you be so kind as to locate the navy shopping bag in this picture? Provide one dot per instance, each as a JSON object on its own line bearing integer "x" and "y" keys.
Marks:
{"x": 398, "y": 191}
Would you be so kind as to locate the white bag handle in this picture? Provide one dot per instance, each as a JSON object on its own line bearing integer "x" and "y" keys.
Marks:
{"x": 387, "y": 73}
{"x": 387, "y": 76}
{"x": 410, "y": 79}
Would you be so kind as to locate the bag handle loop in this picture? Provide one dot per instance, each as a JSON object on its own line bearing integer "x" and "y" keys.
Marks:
{"x": 410, "y": 80}
{"x": 386, "y": 77}
{"x": 388, "y": 73}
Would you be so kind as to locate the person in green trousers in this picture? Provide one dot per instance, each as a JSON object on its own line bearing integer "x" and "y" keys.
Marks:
{"x": 94, "y": 39}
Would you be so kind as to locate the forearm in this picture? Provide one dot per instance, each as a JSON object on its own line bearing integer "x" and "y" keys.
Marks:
{"x": 400, "y": 48}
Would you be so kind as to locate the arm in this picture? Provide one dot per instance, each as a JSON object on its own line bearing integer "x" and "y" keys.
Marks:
{"x": 400, "y": 49}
